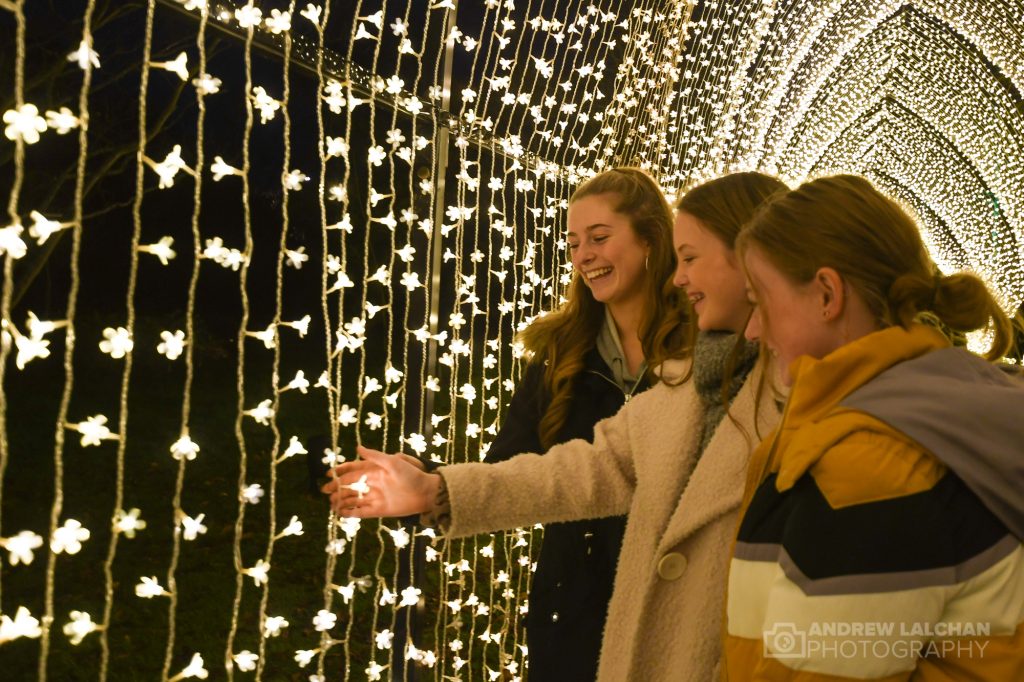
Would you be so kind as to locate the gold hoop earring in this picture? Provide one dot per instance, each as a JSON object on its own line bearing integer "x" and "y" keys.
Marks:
{"x": 646, "y": 258}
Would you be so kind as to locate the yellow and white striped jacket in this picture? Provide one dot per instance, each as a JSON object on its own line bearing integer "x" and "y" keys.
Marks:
{"x": 881, "y": 531}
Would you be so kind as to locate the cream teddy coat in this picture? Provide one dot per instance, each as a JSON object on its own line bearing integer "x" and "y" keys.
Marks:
{"x": 665, "y": 616}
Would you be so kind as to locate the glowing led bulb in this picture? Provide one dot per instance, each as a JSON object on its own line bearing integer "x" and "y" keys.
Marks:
{"x": 11, "y": 242}
{"x": 79, "y": 627}
{"x": 150, "y": 587}
{"x": 21, "y": 547}
{"x": 162, "y": 249}
{"x": 128, "y": 522}
{"x": 258, "y": 572}
{"x": 177, "y": 66}
{"x": 195, "y": 669}
{"x": 69, "y": 537}
{"x": 279, "y": 22}
{"x": 22, "y": 625}
{"x": 245, "y": 660}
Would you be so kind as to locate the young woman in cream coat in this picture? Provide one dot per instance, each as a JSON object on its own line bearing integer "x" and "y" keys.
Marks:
{"x": 672, "y": 459}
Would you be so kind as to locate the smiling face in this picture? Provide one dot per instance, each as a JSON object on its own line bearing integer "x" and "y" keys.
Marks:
{"x": 606, "y": 251}
{"x": 790, "y": 319}
{"x": 709, "y": 273}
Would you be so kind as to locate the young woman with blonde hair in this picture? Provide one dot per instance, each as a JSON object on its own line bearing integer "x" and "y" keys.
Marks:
{"x": 588, "y": 358}
{"x": 673, "y": 458}
{"x": 890, "y": 499}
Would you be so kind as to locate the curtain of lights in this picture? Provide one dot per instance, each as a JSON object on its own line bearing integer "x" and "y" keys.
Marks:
{"x": 336, "y": 216}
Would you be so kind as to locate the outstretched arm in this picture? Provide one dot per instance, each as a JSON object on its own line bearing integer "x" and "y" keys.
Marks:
{"x": 574, "y": 480}
{"x": 379, "y": 485}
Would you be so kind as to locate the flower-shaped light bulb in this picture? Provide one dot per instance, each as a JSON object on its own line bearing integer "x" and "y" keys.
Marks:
{"x": 24, "y": 624}
{"x": 279, "y": 22}
{"x": 162, "y": 249}
{"x": 312, "y": 13}
{"x": 20, "y": 548}
{"x": 342, "y": 282}
{"x": 294, "y": 448}
{"x": 169, "y": 167}
{"x": 294, "y": 527}
{"x": 81, "y": 624}
{"x": 252, "y": 493}
{"x": 220, "y": 168}
{"x": 294, "y": 179}
{"x": 69, "y": 537}
{"x": 85, "y": 56}
{"x": 150, "y": 587}
{"x": 265, "y": 104}
{"x": 172, "y": 344}
{"x": 191, "y": 528}
{"x": 206, "y": 84}
{"x": 346, "y": 591}
{"x": 347, "y": 416}
{"x": 195, "y": 669}
{"x": 295, "y": 258}
{"x": 249, "y": 16}
{"x": 42, "y": 227}
{"x": 301, "y": 326}
{"x": 262, "y": 413}
{"x": 116, "y": 342}
{"x": 400, "y": 537}
{"x": 184, "y": 448}
{"x": 62, "y": 121}
{"x": 29, "y": 347}
{"x": 410, "y": 596}
{"x": 273, "y": 625}
{"x": 259, "y": 572}
{"x": 94, "y": 430}
{"x": 324, "y": 620}
{"x": 268, "y": 336}
{"x": 24, "y": 124}
{"x": 417, "y": 443}
{"x": 245, "y": 660}
{"x": 11, "y": 242}
{"x": 128, "y": 522}
{"x": 178, "y": 66}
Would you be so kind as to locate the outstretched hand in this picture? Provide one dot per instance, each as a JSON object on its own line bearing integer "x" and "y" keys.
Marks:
{"x": 378, "y": 484}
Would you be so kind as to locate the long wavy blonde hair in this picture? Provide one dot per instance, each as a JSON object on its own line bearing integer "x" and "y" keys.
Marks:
{"x": 562, "y": 337}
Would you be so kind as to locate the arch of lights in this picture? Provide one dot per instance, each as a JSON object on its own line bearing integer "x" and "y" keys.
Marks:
{"x": 924, "y": 98}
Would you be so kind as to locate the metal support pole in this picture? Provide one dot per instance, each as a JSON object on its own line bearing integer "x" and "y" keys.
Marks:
{"x": 442, "y": 134}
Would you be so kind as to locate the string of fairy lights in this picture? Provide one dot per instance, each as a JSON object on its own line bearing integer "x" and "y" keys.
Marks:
{"x": 447, "y": 142}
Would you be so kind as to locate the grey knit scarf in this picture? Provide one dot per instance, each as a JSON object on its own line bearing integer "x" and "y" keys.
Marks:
{"x": 710, "y": 360}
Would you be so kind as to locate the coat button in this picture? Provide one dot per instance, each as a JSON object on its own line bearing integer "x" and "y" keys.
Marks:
{"x": 671, "y": 566}
{"x": 554, "y": 617}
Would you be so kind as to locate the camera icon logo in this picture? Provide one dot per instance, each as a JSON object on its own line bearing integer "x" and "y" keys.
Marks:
{"x": 785, "y": 640}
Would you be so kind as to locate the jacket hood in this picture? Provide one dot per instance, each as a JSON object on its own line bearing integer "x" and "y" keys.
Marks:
{"x": 967, "y": 412}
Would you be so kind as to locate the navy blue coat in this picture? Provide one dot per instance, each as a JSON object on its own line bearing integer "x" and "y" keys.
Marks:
{"x": 576, "y": 569}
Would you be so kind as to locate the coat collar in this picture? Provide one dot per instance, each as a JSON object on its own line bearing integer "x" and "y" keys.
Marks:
{"x": 820, "y": 385}
{"x": 715, "y": 487}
